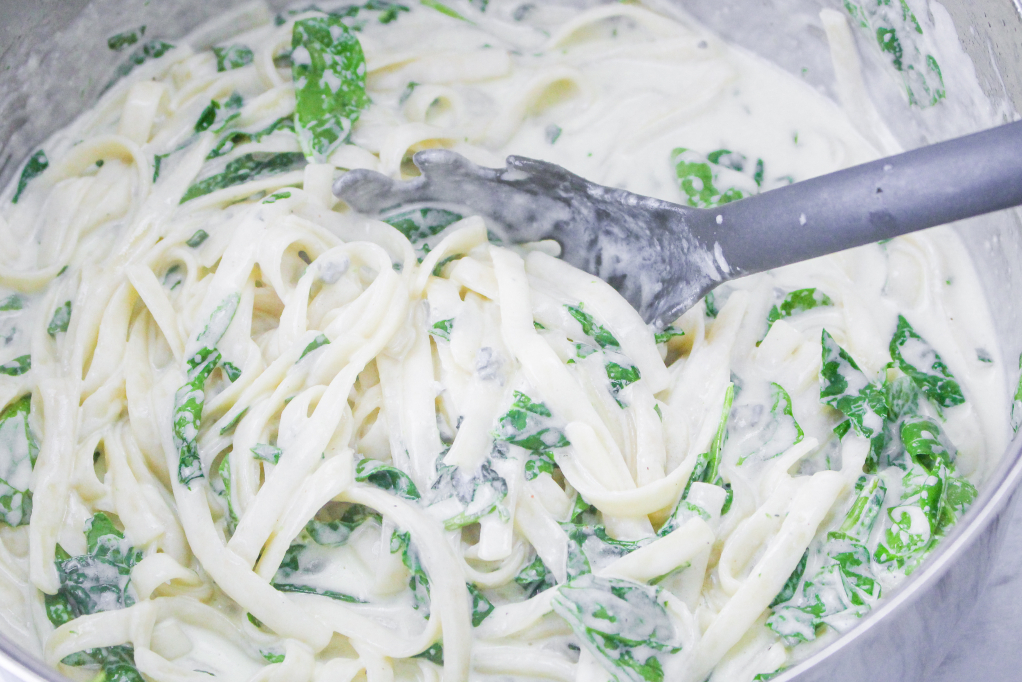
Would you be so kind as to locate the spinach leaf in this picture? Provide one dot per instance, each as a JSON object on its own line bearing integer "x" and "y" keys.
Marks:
{"x": 593, "y": 329}
{"x": 706, "y": 183}
{"x": 710, "y": 300}
{"x": 442, "y": 329}
{"x": 620, "y": 377}
{"x": 667, "y": 334}
{"x": 304, "y": 561}
{"x": 434, "y": 654}
{"x": 892, "y": 25}
{"x": 791, "y": 584}
{"x": 266, "y": 452}
{"x": 442, "y": 8}
{"x": 528, "y": 425}
{"x": 917, "y": 359}
{"x": 419, "y": 581}
{"x": 12, "y": 302}
{"x": 336, "y": 533}
{"x": 190, "y": 398}
{"x": 535, "y": 578}
{"x": 116, "y": 662}
{"x": 844, "y": 588}
{"x": 224, "y": 491}
{"x": 925, "y": 441}
{"x": 387, "y": 478}
{"x": 231, "y": 370}
{"x": 590, "y": 548}
{"x": 254, "y": 166}
{"x": 931, "y": 501}
{"x": 235, "y": 138}
{"x": 99, "y": 580}
{"x": 16, "y": 367}
{"x": 780, "y": 432}
{"x": 708, "y": 464}
{"x": 420, "y": 224}
{"x": 120, "y": 41}
{"x": 622, "y": 623}
{"x": 18, "y": 452}
{"x": 844, "y": 387}
{"x": 329, "y": 72}
{"x": 154, "y": 49}
{"x": 195, "y": 241}
{"x": 232, "y": 57}
{"x": 481, "y": 606}
{"x": 479, "y": 492}
{"x": 796, "y": 302}
{"x": 60, "y": 320}
{"x": 37, "y": 163}
{"x": 316, "y": 343}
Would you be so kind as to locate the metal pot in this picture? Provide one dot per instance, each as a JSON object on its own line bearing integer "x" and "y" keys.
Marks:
{"x": 54, "y": 63}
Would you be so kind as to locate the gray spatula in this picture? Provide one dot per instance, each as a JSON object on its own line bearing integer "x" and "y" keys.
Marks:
{"x": 663, "y": 257}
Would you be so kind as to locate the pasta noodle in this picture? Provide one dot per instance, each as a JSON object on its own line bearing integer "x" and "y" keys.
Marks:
{"x": 248, "y": 432}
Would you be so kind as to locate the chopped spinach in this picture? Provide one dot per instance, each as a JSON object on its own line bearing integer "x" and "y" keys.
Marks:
{"x": 667, "y": 334}
{"x": 479, "y": 492}
{"x": 844, "y": 587}
{"x": 892, "y": 24}
{"x": 234, "y": 138}
{"x": 442, "y": 329}
{"x": 917, "y": 359}
{"x": 336, "y": 533}
{"x": 781, "y": 432}
{"x": 621, "y": 623}
{"x": 154, "y": 49}
{"x": 442, "y": 8}
{"x": 304, "y": 560}
{"x": 60, "y": 320}
{"x": 120, "y": 41}
{"x": 117, "y": 663}
{"x": 846, "y": 388}
{"x": 37, "y": 163}
{"x": 419, "y": 581}
{"x": 225, "y": 492}
{"x": 420, "y": 224}
{"x": 266, "y": 452}
{"x": 387, "y": 478}
{"x": 196, "y": 239}
{"x": 593, "y": 329}
{"x": 329, "y": 72}
{"x": 434, "y": 654}
{"x": 18, "y": 452}
{"x": 231, "y": 370}
{"x": 707, "y": 183}
{"x": 190, "y": 398}
{"x": 99, "y": 580}
{"x": 481, "y": 606}
{"x": 535, "y": 578}
{"x": 247, "y": 168}
{"x": 797, "y": 302}
{"x": 232, "y": 57}
{"x": 315, "y": 344}
{"x": 18, "y": 366}
{"x": 12, "y": 302}
{"x": 528, "y": 425}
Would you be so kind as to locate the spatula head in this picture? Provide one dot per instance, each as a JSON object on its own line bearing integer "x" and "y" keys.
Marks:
{"x": 647, "y": 249}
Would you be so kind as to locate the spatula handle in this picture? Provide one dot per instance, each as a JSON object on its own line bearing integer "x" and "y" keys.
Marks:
{"x": 941, "y": 183}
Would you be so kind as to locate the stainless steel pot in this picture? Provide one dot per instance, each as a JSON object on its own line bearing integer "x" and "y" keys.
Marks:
{"x": 54, "y": 63}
